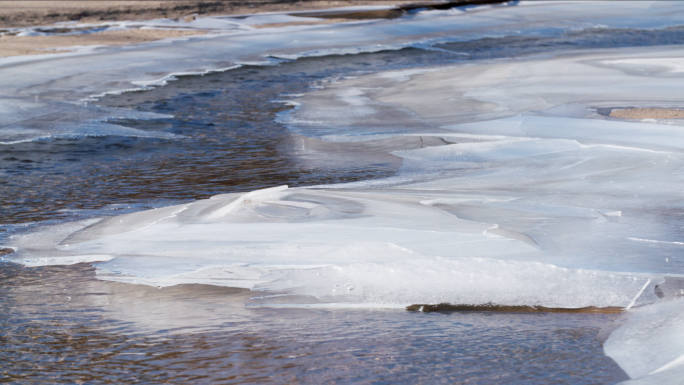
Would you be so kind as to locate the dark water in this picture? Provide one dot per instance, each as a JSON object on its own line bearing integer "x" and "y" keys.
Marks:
{"x": 61, "y": 325}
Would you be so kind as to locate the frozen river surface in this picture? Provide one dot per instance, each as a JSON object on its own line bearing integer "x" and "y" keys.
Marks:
{"x": 315, "y": 182}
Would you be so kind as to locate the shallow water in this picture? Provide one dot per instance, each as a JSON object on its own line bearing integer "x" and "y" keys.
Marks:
{"x": 60, "y": 324}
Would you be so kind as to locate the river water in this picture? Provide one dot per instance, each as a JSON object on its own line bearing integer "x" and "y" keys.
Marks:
{"x": 62, "y": 325}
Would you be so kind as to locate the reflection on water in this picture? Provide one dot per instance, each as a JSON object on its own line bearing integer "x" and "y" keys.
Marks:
{"x": 60, "y": 325}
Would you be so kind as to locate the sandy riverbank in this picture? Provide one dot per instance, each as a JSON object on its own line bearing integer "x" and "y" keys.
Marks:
{"x": 34, "y": 13}
{"x": 15, "y": 14}
{"x": 36, "y": 45}
{"x": 648, "y": 113}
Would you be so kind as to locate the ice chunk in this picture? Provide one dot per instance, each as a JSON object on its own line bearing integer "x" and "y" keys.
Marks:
{"x": 650, "y": 345}
{"x": 467, "y": 281}
{"x": 672, "y": 376}
{"x": 269, "y": 228}
{"x": 669, "y": 64}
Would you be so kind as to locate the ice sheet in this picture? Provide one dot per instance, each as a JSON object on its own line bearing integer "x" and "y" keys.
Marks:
{"x": 566, "y": 86}
{"x": 394, "y": 249}
{"x": 75, "y": 76}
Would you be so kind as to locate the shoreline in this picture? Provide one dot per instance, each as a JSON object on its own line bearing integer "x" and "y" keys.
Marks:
{"x": 17, "y": 14}
{"x": 73, "y": 14}
{"x": 27, "y": 14}
{"x": 648, "y": 113}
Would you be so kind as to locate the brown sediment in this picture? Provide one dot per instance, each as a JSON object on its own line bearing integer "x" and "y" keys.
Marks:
{"x": 648, "y": 113}
{"x": 513, "y": 309}
{"x": 398, "y": 11}
{"x": 5, "y": 251}
{"x": 356, "y": 15}
{"x": 37, "y": 45}
{"x": 294, "y": 23}
{"x": 42, "y": 13}
{"x": 27, "y": 13}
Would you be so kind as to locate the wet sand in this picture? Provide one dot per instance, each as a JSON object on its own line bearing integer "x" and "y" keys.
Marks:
{"x": 648, "y": 113}
{"x": 38, "y": 45}
{"x": 42, "y": 13}
{"x": 34, "y": 13}
{"x": 16, "y": 14}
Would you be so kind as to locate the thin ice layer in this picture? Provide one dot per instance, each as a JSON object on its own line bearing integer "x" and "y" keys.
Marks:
{"x": 558, "y": 186}
{"x": 493, "y": 96}
{"x": 65, "y": 120}
{"x": 273, "y": 227}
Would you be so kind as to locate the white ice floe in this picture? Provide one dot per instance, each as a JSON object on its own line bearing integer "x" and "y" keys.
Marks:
{"x": 650, "y": 345}
{"x": 394, "y": 249}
